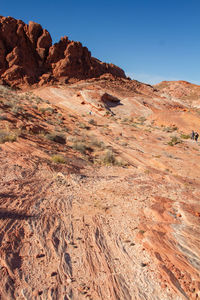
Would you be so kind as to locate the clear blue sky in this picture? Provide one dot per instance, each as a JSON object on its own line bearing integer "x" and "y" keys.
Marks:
{"x": 152, "y": 40}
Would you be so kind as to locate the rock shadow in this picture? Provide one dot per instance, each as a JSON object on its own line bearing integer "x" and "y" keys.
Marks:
{"x": 8, "y": 214}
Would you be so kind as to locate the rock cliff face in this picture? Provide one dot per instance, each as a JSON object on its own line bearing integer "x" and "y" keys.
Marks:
{"x": 27, "y": 56}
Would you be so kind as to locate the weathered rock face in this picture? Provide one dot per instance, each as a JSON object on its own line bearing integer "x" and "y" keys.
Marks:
{"x": 27, "y": 56}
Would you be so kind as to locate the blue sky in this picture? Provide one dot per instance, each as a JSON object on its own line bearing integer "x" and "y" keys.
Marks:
{"x": 151, "y": 40}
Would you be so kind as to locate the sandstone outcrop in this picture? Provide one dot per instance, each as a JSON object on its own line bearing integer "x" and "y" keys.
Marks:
{"x": 179, "y": 89}
{"x": 28, "y": 57}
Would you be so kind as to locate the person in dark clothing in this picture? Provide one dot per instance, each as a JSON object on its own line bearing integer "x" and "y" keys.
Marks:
{"x": 192, "y": 135}
{"x": 196, "y": 136}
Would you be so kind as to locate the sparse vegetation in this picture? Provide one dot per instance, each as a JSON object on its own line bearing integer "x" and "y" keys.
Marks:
{"x": 96, "y": 143}
{"x": 80, "y": 146}
{"x": 141, "y": 120}
{"x": 56, "y": 137}
{"x": 185, "y": 136}
{"x": 83, "y": 126}
{"x": 57, "y": 158}
{"x": 174, "y": 141}
{"x": 16, "y": 109}
{"x": 124, "y": 144}
{"x": 157, "y": 156}
{"x": 170, "y": 129}
{"x": 109, "y": 158}
{"x": 44, "y": 110}
{"x": 92, "y": 122}
{"x": 6, "y": 136}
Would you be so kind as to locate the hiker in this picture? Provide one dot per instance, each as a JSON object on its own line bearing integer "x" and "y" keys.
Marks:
{"x": 196, "y": 136}
{"x": 192, "y": 135}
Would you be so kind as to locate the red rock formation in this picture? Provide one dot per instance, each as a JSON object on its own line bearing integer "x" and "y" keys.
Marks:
{"x": 27, "y": 56}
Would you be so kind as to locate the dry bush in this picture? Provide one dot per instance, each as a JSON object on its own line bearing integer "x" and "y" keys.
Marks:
{"x": 57, "y": 158}
{"x": 80, "y": 146}
{"x": 96, "y": 143}
{"x": 185, "y": 136}
{"x": 83, "y": 126}
{"x": 56, "y": 137}
{"x": 44, "y": 110}
{"x": 174, "y": 140}
{"x": 92, "y": 122}
{"x": 6, "y": 136}
{"x": 170, "y": 129}
{"x": 109, "y": 158}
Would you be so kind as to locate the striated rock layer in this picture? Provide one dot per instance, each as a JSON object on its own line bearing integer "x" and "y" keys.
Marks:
{"x": 75, "y": 225}
{"x": 27, "y": 56}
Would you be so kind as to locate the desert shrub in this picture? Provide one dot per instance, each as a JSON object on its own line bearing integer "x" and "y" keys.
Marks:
{"x": 185, "y": 136}
{"x": 8, "y": 104}
{"x": 16, "y": 109}
{"x": 174, "y": 140}
{"x": 37, "y": 99}
{"x": 57, "y": 158}
{"x": 56, "y": 137}
{"x": 84, "y": 126}
{"x": 121, "y": 163}
{"x": 66, "y": 129}
{"x": 80, "y": 146}
{"x": 72, "y": 116}
{"x": 170, "y": 129}
{"x": 142, "y": 120}
{"x": 109, "y": 158}
{"x": 96, "y": 143}
{"x": 92, "y": 122}
{"x": 59, "y": 121}
{"x": 108, "y": 113}
{"x": 124, "y": 144}
{"x": 6, "y": 136}
{"x": 44, "y": 110}
{"x": 125, "y": 120}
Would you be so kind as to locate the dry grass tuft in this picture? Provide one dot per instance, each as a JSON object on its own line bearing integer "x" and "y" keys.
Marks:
{"x": 57, "y": 158}
{"x": 6, "y": 136}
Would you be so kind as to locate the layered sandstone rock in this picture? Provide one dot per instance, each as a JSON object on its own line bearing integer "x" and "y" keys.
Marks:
{"x": 27, "y": 56}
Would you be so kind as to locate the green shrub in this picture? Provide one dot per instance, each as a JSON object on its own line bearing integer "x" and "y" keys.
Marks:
{"x": 185, "y": 136}
{"x": 57, "y": 158}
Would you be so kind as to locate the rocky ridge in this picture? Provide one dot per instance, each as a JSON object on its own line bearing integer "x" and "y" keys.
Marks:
{"x": 27, "y": 57}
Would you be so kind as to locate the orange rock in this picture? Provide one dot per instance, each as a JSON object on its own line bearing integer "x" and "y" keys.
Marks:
{"x": 29, "y": 54}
